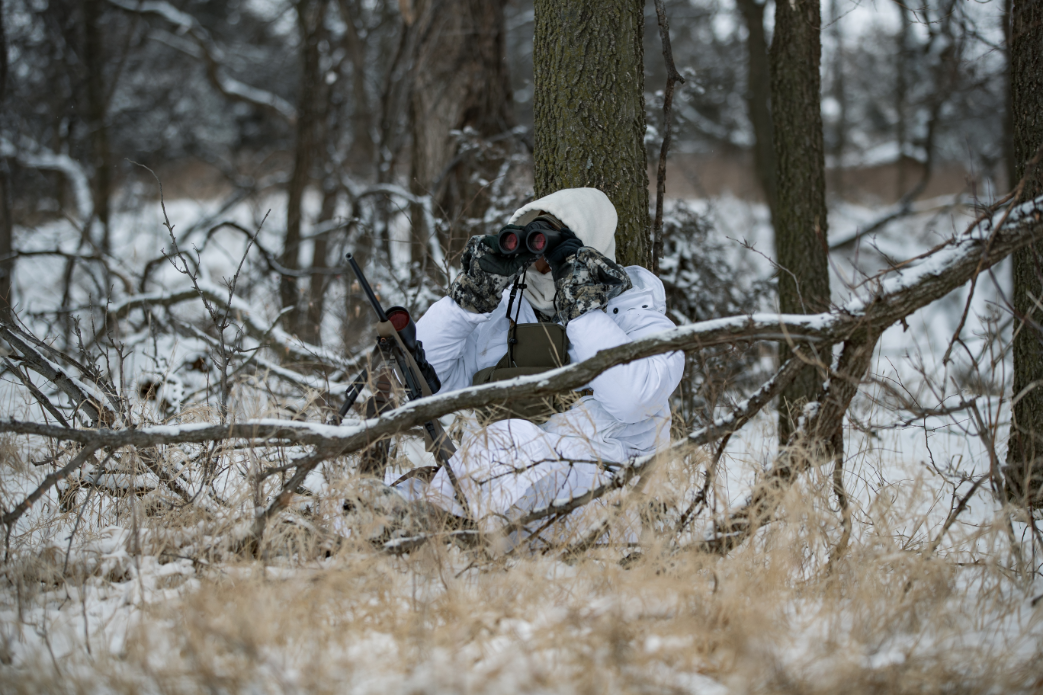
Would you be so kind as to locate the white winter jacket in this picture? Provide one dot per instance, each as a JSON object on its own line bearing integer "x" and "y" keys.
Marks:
{"x": 629, "y": 413}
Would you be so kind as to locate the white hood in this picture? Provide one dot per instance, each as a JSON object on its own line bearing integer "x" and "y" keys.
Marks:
{"x": 586, "y": 211}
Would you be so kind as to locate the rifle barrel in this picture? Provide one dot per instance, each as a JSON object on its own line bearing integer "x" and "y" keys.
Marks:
{"x": 366, "y": 288}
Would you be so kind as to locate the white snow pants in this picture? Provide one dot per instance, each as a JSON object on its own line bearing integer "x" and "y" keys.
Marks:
{"x": 512, "y": 467}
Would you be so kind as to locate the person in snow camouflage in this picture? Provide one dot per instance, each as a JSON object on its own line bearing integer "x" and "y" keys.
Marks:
{"x": 578, "y": 292}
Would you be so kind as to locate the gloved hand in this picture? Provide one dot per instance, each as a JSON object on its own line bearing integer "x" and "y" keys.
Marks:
{"x": 586, "y": 280}
{"x": 558, "y": 257}
{"x": 430, "y": 375}
{"x": 486, "y": 274}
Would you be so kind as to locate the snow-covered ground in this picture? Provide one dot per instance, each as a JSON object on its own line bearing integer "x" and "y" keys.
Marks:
{"x": 120, "y": 594}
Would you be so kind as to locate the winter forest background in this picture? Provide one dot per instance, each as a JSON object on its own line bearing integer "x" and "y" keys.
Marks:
{"x": 180, "y": 181}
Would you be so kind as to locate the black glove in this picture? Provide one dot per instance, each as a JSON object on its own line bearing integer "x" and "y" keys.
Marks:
{"x": 557, "y": 258}
{"x": 430, "y": 375}
{"x": 497, "y": 264}
{"x": 485, "y": 276}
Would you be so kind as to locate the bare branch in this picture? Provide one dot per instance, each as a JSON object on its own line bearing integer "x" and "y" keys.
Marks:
{"x": 11, "y": 517}
{"x": 672, "y": 78}
{"x": 858, "y": 324}
{"x": 212, "y": 55}
{"x": 282, "y": 342}
{"x": 78, "y": 392}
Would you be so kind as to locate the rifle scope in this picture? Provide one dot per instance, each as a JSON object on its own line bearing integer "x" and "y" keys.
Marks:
{"x": 404, "y": 326}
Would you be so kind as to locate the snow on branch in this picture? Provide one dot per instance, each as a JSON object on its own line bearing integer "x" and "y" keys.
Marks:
{"x": 212, "y": 55}
{"x": 83, "y": 396}
{"x": 934, "y": 276}
{"x": 913, "y": 285}
{"x": 34, "y": 156}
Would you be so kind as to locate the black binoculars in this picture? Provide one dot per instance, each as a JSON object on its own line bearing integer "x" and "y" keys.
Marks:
{"x": 537, "y": 237}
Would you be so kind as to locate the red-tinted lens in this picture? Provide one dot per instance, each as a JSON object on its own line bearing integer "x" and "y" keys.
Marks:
{"x": 509, "y": 242}
{"x": 537, "y": 242}
{"x": 399, "y": 319}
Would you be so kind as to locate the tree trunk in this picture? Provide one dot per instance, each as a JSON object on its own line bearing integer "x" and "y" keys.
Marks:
{"x": 903, "y": 58}
{"x": 839, "y": 94}
{"x": 589, "y": 109}
{"x": 6, "y": 224}
{"x": 800, "y": 222}
{"x": 460, "y": 81}
{"x": 362, "y": 151}
{"x": 1024, "y": 472}
{"x": 309, "y": 18}
{"x": 96, "y": 116}
{"x": 1011, "y": 168}
{"x": 311, "y": 330}
{"x": 758, "y": 93}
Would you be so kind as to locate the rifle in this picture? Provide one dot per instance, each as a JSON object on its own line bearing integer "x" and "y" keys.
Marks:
{"x": 398, "y": 347}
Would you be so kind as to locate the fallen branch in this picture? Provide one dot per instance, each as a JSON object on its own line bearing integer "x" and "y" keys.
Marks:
{"x": 11, "y": 518}
{"x": 858, "y": 325}
{"x": 279, "y": 340}
{"x": 79, "y": 393}
{"x": 733, "y": 422}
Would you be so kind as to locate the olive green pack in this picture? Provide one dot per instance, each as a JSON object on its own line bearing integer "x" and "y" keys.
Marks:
{"x": 531, "y": 348}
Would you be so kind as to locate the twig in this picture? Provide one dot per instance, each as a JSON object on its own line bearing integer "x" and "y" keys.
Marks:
{"x": 76, "y": 390}
{"x": 11, "y": 517}
{"x": 40, "y": 398}
{"x": 956, "y": 512}
{"x": 1030, "y": 169}
{"x": 672, "y": 78}
{"x": 79, "y": 513}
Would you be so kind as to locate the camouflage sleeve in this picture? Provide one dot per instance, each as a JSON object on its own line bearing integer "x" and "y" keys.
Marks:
{"x": 590, "y": 280}
{"x": 475, "y": 289}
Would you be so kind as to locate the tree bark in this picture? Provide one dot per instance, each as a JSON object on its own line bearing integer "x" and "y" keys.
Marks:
{"x": 6, "y": 243}
{"x": 903, "y": 58}
{"x": 758, "y": 93}
{"x": 311, "y": 330}
{"x": 460, "y": 80}
{"x": 800, "y": 220}
{"x": 362, "y": 150}
{"x": 589, "y": 109}
{"x": 1024, "y": 471}
{"x": 309, "y": 20}
{"x": 1011, "y": 168}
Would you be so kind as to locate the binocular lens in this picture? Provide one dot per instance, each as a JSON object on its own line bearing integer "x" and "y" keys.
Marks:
{"x": 509, "y": 242}
{"x": 537, "y": 242}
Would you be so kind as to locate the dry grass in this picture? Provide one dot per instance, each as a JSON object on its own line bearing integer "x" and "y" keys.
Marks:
{"x": 171, "y": 610}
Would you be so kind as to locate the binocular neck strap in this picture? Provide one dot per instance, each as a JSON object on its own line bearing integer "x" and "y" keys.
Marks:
{"x": 512, "y": 332}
